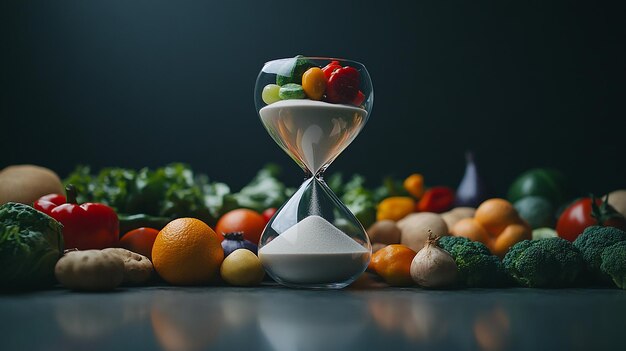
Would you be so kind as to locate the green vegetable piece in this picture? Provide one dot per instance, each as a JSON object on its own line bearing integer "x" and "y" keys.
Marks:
{"x": 545, "y": 263}
{"x": 291, "y": 91}
{"x": 536, "y": 210}
{"x": 548, "y": 183}
{"x": 264, "y": 191}
{"x": 592, "y": 243}
{"x": 31, "y": 243}
{"x": 544, "y": 233}
{"x": 477, "y": 267}
{"x": 292, "y": 70}
{"x": 614, "y": 263}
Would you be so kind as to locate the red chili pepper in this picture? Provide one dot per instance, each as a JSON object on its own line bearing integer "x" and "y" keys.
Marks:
{"x": 86, "y": 226}
{"x": 343, "y": 85}
{"x": 436, "y": 199}
{"x": 330, "y": 68}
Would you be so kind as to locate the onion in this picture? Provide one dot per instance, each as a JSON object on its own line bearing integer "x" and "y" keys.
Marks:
{"x": 433, "y": 267}
{"x": 233, "y": 241}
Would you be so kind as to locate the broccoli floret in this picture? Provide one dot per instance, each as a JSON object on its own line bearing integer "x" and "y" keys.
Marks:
{"x": 614, "y": 263}
{"x": 544, "y": 263}
{"x": 592, "y": 243}
{"x": 477, "y": 267}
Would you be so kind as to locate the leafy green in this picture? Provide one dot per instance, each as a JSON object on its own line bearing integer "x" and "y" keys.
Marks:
{"x": 264, "y": 191}
{"x": 390, "y": 187}
{"x": 357, "y": 198}
{"x": 31, "y": 243}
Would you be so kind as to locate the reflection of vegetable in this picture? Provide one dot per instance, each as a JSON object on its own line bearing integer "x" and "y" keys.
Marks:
{"x": 416, "y": 227}
{"x": 548, "y": 183}
{"x": 92, "y": 270}
{"x": 26, "y": 183}
{"x": 234, "y": 241}
{"x": 584, "y": 213}
{"x": 545, "y": 263}
{"x": 437, "y": 199}
{"x": 477, "y": 267}
{"x": 31, "y": 242}
{"x": 433, "y": 267}
{"x": 592, "y": 243}
{"x": 614, "y": 263}
{"x": 471, "y": 191}
{"x": 85, "y": 226}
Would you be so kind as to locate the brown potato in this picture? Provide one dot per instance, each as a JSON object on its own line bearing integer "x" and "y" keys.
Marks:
{"x": 384, "y": 232}
{"x": 137, "y": 268}
{"x": 92, "y": 270}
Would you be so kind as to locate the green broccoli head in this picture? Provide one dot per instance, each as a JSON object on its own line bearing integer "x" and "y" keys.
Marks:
{"x": 614, "y": 263}
{"x": 592, "y": 243}
{"x": 477, "y": 267}
{"x": 544, "y": 263}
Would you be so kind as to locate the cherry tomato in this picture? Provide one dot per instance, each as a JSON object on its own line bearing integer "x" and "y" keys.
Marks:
{"x": 343, "y": 85}
{"x": 436, "y": 199}
{"x": 269, "y": 213}
{"x": 250, "y": 222}
{"x": 581, "y": 214}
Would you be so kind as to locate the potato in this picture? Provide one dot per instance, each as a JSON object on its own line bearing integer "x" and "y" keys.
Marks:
{"x": 378, "y": 246}
{"x": 415, "y": 228}
{"x": 456, "y": 214}
{"x": 384, "y": 232}
{"x": 27, "y": 183}
{"x": 91, "y": 270}
{"x": 137, "y": 268}
{"x": 617, "y": 199}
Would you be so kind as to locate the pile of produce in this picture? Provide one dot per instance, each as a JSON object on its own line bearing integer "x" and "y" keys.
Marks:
{"x": 98, "y": 231}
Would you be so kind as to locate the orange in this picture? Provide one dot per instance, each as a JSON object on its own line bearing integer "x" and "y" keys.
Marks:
{"x": 511, "y": 235}
{"x": 495, "y": 214}
{"x": 139, "y": 240}
{"x": 187, "y": 252}
{"x": 471, "y": 229}
{"x": 393, "y": 264}
{"x": 250, "y": 222}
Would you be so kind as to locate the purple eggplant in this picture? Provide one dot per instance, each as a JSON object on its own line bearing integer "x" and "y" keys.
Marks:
{"x": 233, "y": 241}
{"x": 471, "y": 191}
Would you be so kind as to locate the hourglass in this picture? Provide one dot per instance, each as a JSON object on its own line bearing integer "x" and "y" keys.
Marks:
{"x": 313, "y": 108}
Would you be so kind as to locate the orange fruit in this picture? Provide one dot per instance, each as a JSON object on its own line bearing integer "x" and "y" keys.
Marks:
{"x": 140, "y": 241}
{"x": 250, "y": 222}
{"x": 393, "y": 264}
{"x": 510, "y": 236}
{"x": 471, "y": 229}
{"x": 187, "y": 252}
{"x": 495, "y": 214}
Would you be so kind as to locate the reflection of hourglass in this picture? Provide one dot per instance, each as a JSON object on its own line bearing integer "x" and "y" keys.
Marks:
{"x": 313, "y": 108}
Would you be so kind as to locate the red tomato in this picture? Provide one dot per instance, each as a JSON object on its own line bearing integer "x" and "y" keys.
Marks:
{"x": 343, "y": 85}
{"x": 269, "y": 213}
{"x": 436, "y": 199}
{"x": 330, "y": 68}
{"x": 250, "y": 222}
{"x": 140, "y": 240}
{"x": 578, "y": 216}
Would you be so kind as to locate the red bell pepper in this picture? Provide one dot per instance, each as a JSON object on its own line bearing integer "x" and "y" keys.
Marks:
{"x": 437, "y": 199}
{"x": 86, "y": 226}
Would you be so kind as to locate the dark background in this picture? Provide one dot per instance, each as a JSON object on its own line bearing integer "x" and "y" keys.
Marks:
{"x": 144, "y": 82}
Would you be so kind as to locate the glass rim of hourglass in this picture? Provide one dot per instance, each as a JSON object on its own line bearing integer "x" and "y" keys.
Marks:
{"x": 320, "y": 58}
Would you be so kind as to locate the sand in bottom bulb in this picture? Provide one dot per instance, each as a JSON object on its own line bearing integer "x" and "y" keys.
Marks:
{"x": 314, "y": 252}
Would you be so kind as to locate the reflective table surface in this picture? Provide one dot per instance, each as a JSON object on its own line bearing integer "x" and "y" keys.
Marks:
{"x": 276, "y": 318}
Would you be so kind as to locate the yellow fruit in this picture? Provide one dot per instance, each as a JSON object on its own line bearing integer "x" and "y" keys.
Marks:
{"x": 495, "y": 215}
{"x": 187, "y": 252}
{"x": 314, "y": 83}
{"x": 395, "y": 208}
{"x": 242, "y": 268}
{"x": 393, "y": 264}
